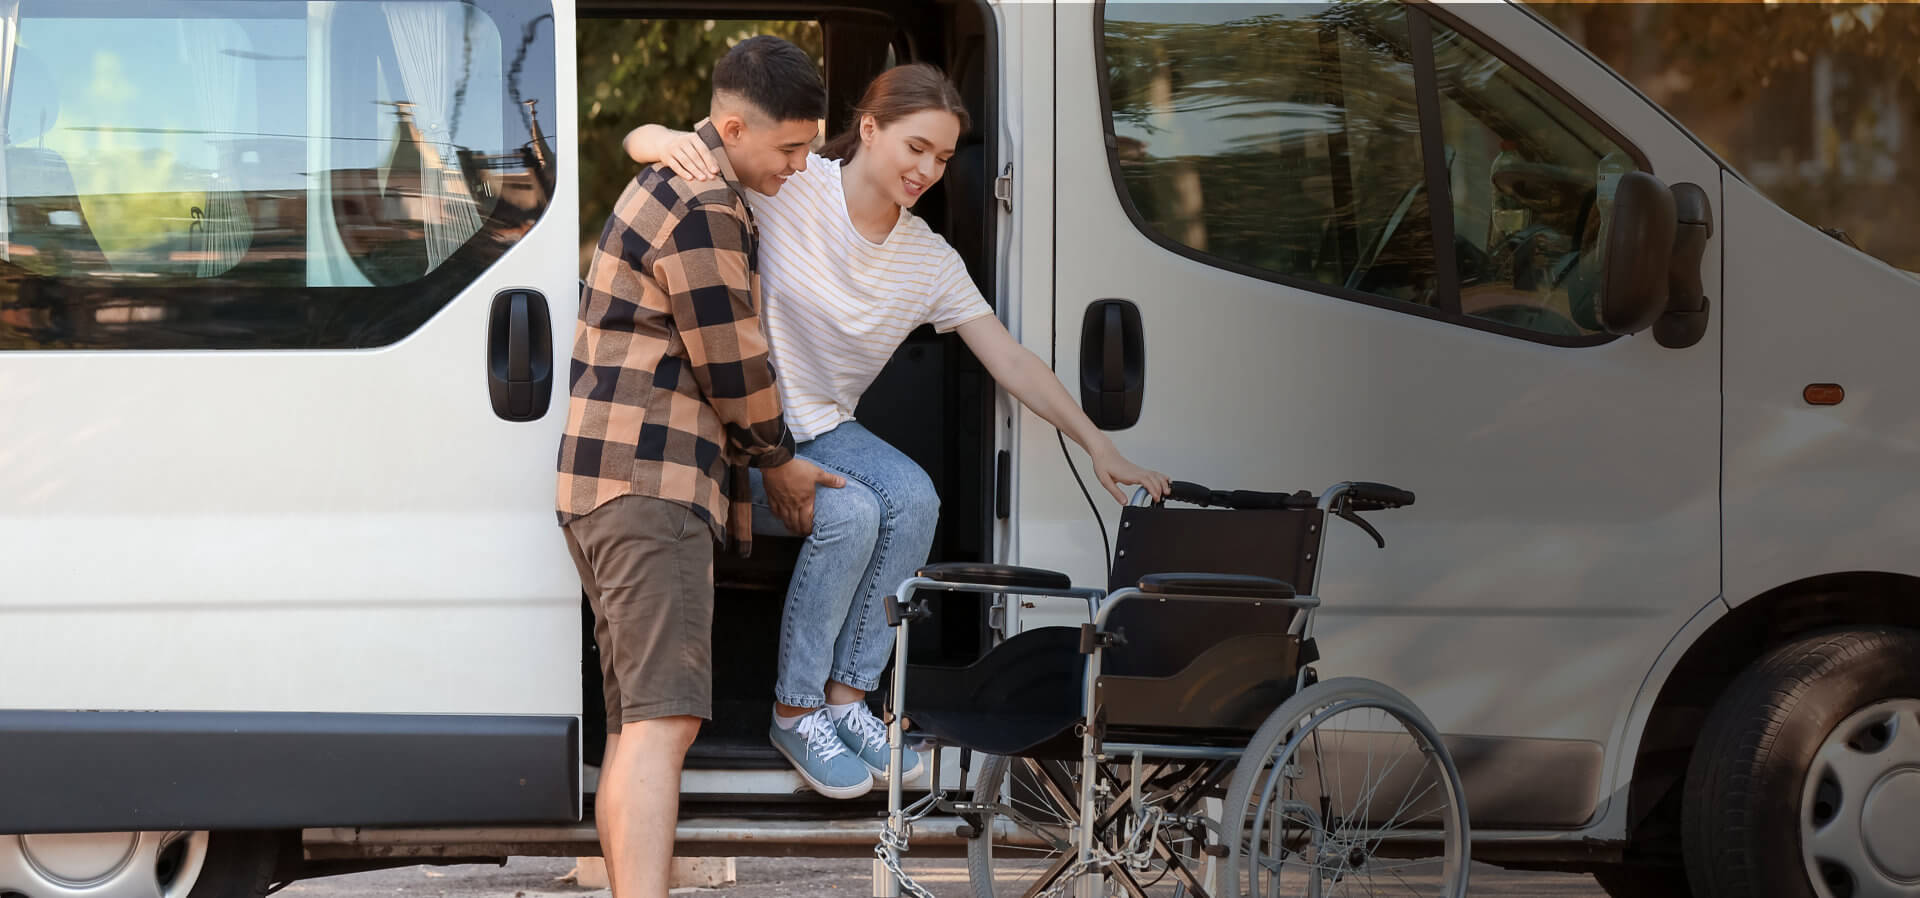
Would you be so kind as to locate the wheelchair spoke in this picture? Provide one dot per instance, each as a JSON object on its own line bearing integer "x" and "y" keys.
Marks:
{"x": 1026, "y": 845}
{"x": 1177, "y": 866}
{"x": 1313, "y": 811}
{"x": 1048, "y": 878}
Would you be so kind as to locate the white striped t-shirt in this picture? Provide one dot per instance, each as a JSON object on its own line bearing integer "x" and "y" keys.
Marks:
{"x": 836, "y": 305}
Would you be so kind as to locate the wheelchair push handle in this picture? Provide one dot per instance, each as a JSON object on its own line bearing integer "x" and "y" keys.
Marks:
{"x": 1366, "y": 496}
{"x": 1358, "y": 496}
{"x": 1344, "y": 501}
{"x": 1195, "y": 494}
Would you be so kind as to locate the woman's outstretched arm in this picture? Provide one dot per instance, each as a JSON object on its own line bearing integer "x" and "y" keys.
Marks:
{"x": 682, "y": 151}
{"x": 1034, "y": 384}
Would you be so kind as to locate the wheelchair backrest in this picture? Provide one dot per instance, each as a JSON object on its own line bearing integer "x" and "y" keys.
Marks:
{"x": 1277, "y": 543}
{"x": 1218, "y": 665}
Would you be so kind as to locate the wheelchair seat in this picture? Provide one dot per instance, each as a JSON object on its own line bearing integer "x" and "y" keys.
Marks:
{"x": 1022, "y": 698}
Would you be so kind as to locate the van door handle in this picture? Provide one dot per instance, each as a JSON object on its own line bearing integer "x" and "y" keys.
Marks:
{"x": 519, "y": 355}
{"x": 1113, "y": 363}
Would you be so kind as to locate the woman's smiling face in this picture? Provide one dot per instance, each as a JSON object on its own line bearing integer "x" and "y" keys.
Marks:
{"x": 909, "y": 154}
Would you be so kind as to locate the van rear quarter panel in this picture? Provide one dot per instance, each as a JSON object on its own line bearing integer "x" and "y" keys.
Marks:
{"x": 1809, "y": 489}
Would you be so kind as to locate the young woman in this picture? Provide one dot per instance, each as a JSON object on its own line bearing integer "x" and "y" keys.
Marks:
{"x": 846, "y": 273}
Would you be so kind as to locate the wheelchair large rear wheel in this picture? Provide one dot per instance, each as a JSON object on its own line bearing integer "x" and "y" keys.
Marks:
{"x": 1026, "y": 845}
{"x": 1346, "y": 790}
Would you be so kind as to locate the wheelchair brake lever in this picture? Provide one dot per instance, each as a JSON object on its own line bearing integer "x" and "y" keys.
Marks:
{"x": 1356, "y": 520}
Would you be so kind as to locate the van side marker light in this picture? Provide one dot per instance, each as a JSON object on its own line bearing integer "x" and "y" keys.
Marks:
{"x": 1824, "y": 394}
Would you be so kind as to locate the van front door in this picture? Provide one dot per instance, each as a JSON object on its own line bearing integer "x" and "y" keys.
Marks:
{"x": 1364, "y": 242}
{"x": 284, "y": 314}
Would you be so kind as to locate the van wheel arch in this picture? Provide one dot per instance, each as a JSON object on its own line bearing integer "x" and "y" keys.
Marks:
{"x": 1746, "y": 634}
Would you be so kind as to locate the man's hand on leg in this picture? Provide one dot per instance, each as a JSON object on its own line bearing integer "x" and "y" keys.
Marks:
{"x": 790, "y": 492}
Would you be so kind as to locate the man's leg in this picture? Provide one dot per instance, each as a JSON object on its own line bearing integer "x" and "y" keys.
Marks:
{"x": 639, "y": 803}
{"x": 610, "y": 693}
{"x": 602, "y": 817}
{"x": 652, "y": 563}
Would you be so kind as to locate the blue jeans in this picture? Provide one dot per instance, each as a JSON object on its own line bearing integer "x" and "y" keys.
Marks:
{"x": 867, "y": 537}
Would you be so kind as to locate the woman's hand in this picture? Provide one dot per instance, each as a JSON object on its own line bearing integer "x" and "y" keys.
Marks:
{"x": 1113, "y": 469}
{"x": 689, "y": 157}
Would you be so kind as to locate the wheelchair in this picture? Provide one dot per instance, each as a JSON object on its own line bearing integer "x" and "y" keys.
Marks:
{"x": 1178, "y": 742}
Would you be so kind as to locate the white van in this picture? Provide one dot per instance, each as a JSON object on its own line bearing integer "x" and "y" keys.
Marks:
{"x": 287, "y": 296}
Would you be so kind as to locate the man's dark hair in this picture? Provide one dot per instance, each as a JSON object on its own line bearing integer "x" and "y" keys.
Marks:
{"x": 775, "y": 76}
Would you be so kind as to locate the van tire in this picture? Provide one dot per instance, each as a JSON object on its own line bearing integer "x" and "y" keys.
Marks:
{"x": 240, "y": 864}
{"x": 1742, "y": 816}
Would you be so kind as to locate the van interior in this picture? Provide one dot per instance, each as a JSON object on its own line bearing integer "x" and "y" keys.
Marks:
{"x": 933, "y": 400}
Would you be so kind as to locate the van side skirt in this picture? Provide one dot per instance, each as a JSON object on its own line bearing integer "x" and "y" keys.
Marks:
{"x": 104, "y": 771}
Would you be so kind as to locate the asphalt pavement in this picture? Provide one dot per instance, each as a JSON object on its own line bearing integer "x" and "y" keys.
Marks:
{"x": 528, "y": 877}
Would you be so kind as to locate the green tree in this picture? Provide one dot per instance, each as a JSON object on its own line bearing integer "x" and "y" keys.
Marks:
{"x": 635, "y": 71}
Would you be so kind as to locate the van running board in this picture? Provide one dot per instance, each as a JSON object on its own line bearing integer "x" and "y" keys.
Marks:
{"x": 934, "y": 836}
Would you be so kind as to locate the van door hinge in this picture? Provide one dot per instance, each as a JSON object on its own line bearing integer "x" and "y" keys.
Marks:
{"x": 1003, "y": 188}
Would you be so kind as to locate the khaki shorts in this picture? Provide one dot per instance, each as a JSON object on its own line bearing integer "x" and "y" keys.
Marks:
{"x": 647, "y": 567}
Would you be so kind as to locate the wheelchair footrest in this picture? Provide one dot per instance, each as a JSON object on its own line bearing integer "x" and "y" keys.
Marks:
{"x": 997, "y": 575}
{"x": 1223, "y": 586}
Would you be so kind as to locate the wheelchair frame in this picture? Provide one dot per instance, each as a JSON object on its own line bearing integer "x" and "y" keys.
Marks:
{"x": 909, "y": 604}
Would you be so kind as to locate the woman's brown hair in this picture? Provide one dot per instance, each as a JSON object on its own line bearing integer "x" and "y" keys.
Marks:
{"x": 899, "y": 92}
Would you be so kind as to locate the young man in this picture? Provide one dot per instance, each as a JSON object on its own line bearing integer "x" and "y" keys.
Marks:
{"x": 672, "y": 397}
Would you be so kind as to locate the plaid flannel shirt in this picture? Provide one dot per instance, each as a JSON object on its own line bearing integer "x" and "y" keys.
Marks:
{"x": 672, "y": 387}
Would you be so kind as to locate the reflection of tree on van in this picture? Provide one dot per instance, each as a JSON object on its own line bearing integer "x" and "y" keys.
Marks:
{"x": 1289, "y": 143}
{"x": 1284, "y": 142}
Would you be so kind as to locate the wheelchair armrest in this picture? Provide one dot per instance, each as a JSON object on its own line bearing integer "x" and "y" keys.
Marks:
{"x": 996, "y": 575}
{"x": 1227, "y": 586}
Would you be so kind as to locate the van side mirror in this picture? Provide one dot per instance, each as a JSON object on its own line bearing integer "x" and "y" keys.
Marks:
{"x": 1685, "y": 320}
{"x": 1639, "y": 253}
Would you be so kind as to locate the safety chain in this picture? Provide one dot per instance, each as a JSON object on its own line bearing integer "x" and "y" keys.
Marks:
{"x": 888, "y": 851}
{"x": 1137, "y": 854}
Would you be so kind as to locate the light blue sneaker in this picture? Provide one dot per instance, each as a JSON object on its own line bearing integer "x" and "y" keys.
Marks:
{"x": 867, "y": 737}
{"x": 815, "y": 750}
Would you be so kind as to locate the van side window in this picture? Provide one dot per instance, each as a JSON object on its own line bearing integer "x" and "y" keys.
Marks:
{"x": 1283, "y": 141}
{"x": 1532, "y": 185}
{"x": 259, "y": 175}
{"x": 1281, "y": 138}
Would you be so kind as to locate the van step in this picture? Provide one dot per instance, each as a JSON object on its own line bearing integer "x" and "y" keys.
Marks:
{"x": 695, "y": 837}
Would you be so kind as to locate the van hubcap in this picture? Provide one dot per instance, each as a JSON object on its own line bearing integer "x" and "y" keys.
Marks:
{"x": 102, "y": 865}
{"x": 1861, "y": 805}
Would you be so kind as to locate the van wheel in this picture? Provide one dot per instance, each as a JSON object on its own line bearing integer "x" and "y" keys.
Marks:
{"x": 139, "y": 865}
{"x": 1805, "y": 782}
